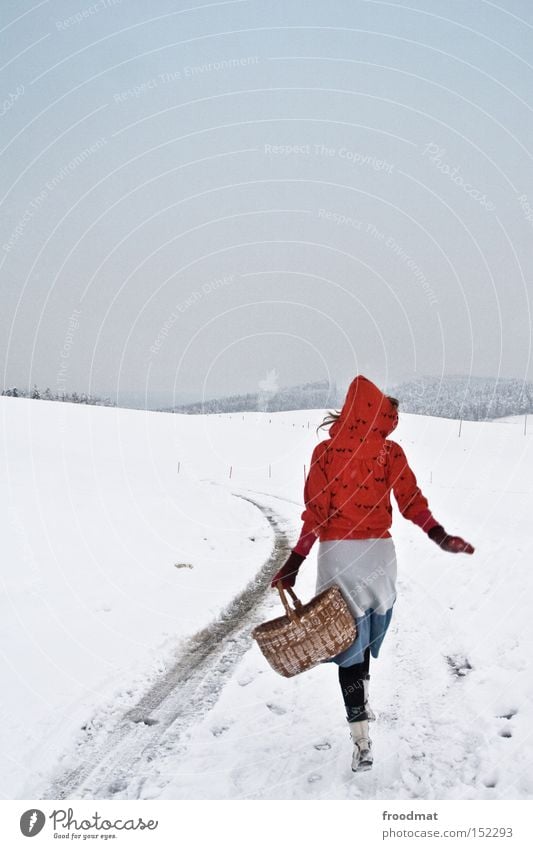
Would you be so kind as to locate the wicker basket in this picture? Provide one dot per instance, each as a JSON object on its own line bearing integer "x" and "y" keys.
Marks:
{"x": 307, "y": 635}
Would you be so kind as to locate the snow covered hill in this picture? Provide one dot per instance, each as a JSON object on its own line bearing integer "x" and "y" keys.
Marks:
{"x": 126, "y": 532}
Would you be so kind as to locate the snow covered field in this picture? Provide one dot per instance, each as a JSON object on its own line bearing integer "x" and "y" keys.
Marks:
{"x": 124, "y": 534}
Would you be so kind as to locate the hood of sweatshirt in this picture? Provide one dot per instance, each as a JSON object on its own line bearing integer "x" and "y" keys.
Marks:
{"x": 366, "y": 415}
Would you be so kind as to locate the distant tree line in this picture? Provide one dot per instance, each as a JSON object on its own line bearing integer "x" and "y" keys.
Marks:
{"x": 48, "y": 395}
{"x": 463, "y": 397}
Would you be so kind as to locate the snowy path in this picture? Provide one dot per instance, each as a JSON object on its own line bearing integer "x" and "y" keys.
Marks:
{"x": 113, "y": 761}
{"x": 272, "y": 738}
{"x": 222, "y": 725}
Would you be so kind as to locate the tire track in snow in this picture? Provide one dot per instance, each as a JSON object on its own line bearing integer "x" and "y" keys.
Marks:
{"x": 110, "y": 767}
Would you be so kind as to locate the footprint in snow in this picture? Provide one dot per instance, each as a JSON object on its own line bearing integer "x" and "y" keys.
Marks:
{"x": 505, "y": 732}
{"x": 509, "y": 715}
{"x": 459, "y": 665}
{"x": 218, "y": 730}
{"x": 276, "y": 709}
{"x": 490, "y": 780}
{"x": 323, "y": 746}
{"x": 117, "y": 786}
{"x": 313, "y": 777}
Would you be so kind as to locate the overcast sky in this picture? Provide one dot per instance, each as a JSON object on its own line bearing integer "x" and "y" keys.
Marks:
{"x": 201, "y": 197}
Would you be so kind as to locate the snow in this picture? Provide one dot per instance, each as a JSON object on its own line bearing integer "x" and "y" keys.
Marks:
{"x": 94, "y": 609}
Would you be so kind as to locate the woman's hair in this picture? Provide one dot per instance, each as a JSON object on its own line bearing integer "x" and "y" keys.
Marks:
{"x": 332, "y": 415}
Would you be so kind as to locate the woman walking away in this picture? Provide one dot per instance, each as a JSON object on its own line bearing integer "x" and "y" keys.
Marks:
{"x": 347, "y": 506}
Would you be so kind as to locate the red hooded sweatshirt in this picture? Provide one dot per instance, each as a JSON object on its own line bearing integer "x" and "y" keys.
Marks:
{"x": 347, "y": 490}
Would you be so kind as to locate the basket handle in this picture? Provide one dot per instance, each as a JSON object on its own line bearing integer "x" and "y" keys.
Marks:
{"x": 296, "y": 601}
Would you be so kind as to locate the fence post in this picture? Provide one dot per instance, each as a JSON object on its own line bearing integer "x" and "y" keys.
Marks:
{"x": 179, "y": 464}
{"x": 230, "y": 470}
{"x": 525, "y": 424}
{"x": 460, "y": 426}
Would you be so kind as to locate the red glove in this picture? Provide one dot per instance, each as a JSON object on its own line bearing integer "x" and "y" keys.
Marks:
{"x": 287, "y": 573}
{"x": 455, "y": 545}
